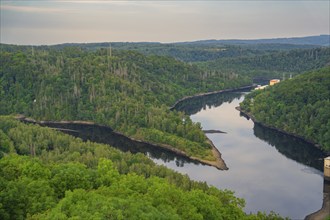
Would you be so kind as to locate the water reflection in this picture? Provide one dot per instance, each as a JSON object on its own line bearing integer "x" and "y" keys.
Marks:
{"x": 105, "y": 135}
{"x": 195, "y": 104}
{"x": 291, "y": 147}
{"x": 270, "y": 170}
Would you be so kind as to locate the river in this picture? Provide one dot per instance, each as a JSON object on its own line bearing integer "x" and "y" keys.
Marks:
{"x": 270, "y": 170}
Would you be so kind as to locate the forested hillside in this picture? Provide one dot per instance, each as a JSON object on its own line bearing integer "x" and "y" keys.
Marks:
{"x": 186, "y": 53}
{"x": 206, "y": 50}
{"x": 320, "y": 40}
{"x": 45, "y": 174}
{"x": 125, "y": 90}
{"x": 300, "y": 106}
{"x": 273, "y": 64}
{"x": 131, "y": 92}
{"x": 48, "y": 175}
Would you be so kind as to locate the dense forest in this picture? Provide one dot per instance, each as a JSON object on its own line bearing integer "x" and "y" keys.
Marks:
{"x": 299, "y": 106}
{"x": 131, "y": 92}
{"x": 45, "y": 174}
{"x": 125, "y": 90}
{"x": 206, "y": 50}
{"x": 280, "y": 64}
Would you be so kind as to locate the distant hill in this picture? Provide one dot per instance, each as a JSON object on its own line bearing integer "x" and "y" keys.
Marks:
{"x": 206, "y": 50}
{"x": 285, "y": 61}
{"x": 321, "y": 40}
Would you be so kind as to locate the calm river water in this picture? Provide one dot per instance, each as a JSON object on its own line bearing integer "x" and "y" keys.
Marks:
{"x": 271, "y": 171}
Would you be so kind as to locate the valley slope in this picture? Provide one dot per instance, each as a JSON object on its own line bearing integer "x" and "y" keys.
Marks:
{"x": 126, "y": 90}
{"x": 299, "y": 106}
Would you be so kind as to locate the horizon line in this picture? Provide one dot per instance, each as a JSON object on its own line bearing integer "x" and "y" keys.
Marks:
{"x": 173, "y": 42}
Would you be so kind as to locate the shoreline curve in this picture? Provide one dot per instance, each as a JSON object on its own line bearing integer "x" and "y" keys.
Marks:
{"x": 218, "y": 163}
{"x": 250, "y": 116}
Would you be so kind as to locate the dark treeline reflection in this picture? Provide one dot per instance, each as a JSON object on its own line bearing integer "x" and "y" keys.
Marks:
{"x": 291, "y": 147}
{"x": 193, "y": 105}
{"x": 105, "y": 135}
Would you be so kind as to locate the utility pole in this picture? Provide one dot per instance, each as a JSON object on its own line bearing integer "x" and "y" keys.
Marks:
{"x": 109, "y": 55}
{"x": 110, "y": 52}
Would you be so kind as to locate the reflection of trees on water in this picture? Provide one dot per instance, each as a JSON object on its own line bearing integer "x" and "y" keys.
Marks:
{"x": 291, "y": 147}
{"x": 105, "y": 135}
{"x": 193, "y": 105}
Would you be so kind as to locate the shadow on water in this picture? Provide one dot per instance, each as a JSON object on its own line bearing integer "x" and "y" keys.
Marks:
{"x": 193, "y": 105}
{"x": 105, "y": 135}
{"x": 288, "y": 146}
{"x": 291, "y": 147}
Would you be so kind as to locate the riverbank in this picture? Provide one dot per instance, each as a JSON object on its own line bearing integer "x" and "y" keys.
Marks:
{"x": 218, "y": 163}
{"x": 249, "y": 116}
{"x": 211, "y": 93}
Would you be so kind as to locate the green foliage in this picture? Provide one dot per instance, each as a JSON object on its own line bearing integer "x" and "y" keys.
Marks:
{"x": 273, "y": 64}
{"x": 209, "y": 49}
{"x": 6, "y": 145}
{"x": 84, "y": 180}
{"x": 131, "y": 92}
{"x": 107, "y": 173}
{"x": 70, "y": 176}
{"x": 191, "y": 148}
{"x": 126, "y": 91}
{"x": 25, "y": 188}
{"x": 300, "y": 106}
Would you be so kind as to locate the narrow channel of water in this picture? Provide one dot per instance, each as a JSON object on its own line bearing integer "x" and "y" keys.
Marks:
{"x": 270, "y": 170}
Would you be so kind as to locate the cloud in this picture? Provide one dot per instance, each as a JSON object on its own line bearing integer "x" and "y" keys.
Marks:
{"x": 32, "y": 9}
{"x": 164, "y": 21}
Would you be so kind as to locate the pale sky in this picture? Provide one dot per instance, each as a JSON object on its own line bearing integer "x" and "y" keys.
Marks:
{"x": 67, "y": 21}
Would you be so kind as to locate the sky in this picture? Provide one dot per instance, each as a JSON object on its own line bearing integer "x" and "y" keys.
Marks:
{"x": 46, "y": 22}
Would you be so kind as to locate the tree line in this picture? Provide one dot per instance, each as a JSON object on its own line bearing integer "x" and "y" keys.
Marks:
{"x": 300, "y": 106}
{"x": 271, "y": 64}
{"x": 125, "y": 90}
{"x": 45, "y": 174}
